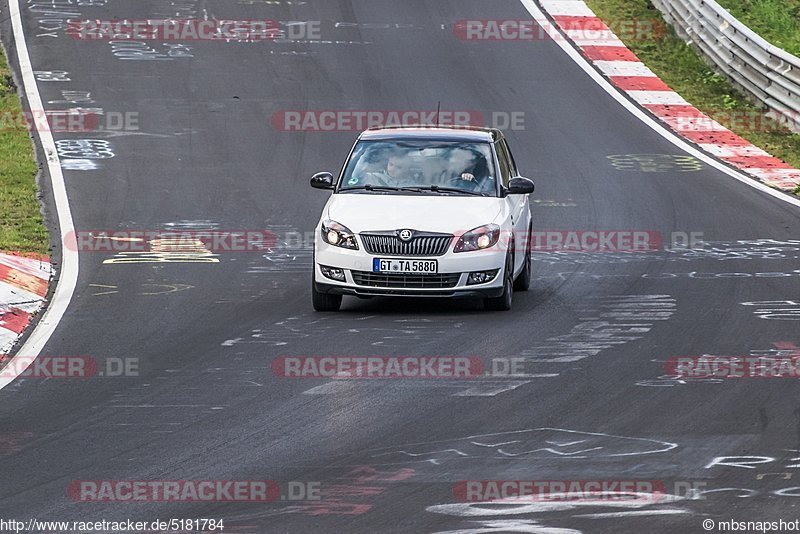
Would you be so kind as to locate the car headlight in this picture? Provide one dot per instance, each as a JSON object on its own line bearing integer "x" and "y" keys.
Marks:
{"x": 338, "y": 235}
{"x": 478, "y": 238}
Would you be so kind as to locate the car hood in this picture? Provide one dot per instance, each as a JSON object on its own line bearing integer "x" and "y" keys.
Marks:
{"x": 427, "y": 213}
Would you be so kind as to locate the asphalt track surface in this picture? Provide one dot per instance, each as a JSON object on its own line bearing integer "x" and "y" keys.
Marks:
{"x": 387, "y": 453}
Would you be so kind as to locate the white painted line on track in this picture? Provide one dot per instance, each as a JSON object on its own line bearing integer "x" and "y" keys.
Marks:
{"x": 598, "y": 78}
{"x": 568, "y": 8}
{"x": 624, "y": 68}
{"x": 580, "y": 38}
{"x": 664, "y": 98}
{"x": 733, "y": 151}
{"x": 634, "y": 513}
{"x": 68, "y": 275}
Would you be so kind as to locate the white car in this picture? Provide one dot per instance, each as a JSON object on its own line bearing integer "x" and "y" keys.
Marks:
{"x": 424, "y": 212}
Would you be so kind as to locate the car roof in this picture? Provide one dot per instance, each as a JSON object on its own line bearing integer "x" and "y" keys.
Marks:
{"x": 433, "y": 133}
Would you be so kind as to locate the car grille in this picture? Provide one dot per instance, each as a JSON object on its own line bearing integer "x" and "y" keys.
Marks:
{"x": 432, "y": 245}
{"x": 406, "y": 281}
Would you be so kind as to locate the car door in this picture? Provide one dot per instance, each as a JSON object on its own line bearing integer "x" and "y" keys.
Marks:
{"x": 516, "y": 203}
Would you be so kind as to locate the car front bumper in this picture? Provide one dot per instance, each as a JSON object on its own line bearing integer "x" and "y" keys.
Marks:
{"x": 360, "y": 281}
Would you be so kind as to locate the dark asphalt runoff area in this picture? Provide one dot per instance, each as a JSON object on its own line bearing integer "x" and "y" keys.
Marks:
{"x": 594, "y": 333}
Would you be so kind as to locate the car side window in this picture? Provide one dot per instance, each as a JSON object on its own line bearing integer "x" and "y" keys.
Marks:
{"x": 511, "y": 162}
{"x": 502, "y": 158}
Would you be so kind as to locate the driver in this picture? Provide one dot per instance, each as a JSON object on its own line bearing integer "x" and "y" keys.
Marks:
{"x": 467, "y": 170}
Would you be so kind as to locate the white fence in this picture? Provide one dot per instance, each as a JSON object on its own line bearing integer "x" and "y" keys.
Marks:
{"x": 766, "y": 72}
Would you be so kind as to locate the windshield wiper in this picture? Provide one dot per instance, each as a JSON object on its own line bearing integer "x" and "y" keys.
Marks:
{"x": 370, "y": 187}
{"x": 415, "y": 189}
{"x": 437, "y": 188}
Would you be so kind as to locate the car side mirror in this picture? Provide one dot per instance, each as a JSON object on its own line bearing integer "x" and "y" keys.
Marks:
{"x": 520, "y": 186}
{"x": 322, "y": 180}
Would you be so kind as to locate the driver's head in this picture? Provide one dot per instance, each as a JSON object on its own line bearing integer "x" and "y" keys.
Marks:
{"x": 396, "y": 166}
{"x": 461, "y": 160}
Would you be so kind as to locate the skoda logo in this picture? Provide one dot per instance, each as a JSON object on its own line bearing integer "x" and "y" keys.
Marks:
{"x": 405, "y": 235}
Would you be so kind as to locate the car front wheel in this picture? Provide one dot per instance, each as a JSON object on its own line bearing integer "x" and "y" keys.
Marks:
{"x": 324, "y": 302}
{"x": 523, "y": 281}
{"x": 503, "y": 302}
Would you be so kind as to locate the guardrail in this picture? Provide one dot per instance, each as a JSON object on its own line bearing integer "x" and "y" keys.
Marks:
{"x": 769, "y": 74}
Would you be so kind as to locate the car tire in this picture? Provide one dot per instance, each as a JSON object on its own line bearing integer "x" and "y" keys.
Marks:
{"x": 324, "y": 302}
{"x": 523, "y": 281}
{"x": 503, "y": 302}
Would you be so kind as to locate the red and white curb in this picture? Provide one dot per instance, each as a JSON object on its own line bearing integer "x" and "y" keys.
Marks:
{"x": 23, "y": 287}
{"x": 624, "y": 70}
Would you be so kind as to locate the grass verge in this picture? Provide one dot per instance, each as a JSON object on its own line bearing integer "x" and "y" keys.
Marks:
{"x": 777, "y": 21}
{"x": 684, "y": 71}
{"x": 21, "y": 225}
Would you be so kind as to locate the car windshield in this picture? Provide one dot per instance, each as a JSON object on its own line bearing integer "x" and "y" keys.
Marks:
{"x": 421, "y": 167}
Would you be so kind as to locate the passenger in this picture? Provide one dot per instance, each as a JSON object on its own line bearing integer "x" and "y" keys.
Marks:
{"x": 395, "y": 173}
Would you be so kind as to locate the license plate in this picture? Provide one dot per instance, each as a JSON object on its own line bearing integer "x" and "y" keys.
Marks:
{"x": 405, "y": 266}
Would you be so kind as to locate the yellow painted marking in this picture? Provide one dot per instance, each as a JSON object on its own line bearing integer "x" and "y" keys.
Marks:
{"x": 114, "y": 238}
{"x": 784, "y": 475}
{"x": 105, "y": 287}
{"x": 171, "y": 288}
{"x": 161, "y": 258}
{"x": 655, "y": 162}
{"x": 169, "y": 250}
